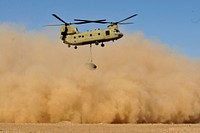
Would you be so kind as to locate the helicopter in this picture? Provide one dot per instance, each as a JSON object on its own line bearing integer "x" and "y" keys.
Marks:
{"x": 70, "y": 35}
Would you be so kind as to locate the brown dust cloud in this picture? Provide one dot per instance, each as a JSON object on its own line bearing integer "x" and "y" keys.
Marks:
{"x": 138, "y": 80}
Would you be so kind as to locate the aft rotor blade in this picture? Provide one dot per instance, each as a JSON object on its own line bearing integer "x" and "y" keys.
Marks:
{"x": 100, "y": 22}
{"x": 127, "y": 23}
{"x": 84, "y": 22}
{"x": 90, "y": 20}
{"x": 119, "y": 22}
{"x": 59, "y": 18}
{"x": 54, "y": 25}
{"x": 127, "y": 18}
{"x": 113, "y": 22}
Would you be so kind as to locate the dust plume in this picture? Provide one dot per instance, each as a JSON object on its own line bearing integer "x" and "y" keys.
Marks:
{"x": 137, "y": 81}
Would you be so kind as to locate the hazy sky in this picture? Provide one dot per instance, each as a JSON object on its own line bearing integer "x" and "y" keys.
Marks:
{"x": 173, "y": 22}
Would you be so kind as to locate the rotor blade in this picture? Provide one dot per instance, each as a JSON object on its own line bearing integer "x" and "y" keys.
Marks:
{"x": 127, "y": 18}
{"x": 53, "y": 25}
{"x": 119, "y": 22}
{"x": 84, "y": 22}
{"x": 90, "y": 20}
{"x": 59, "y": 18}
{"x": 127, "y": 23}
{"x": 113, "y": 23}
{"x": 100, "y": 22}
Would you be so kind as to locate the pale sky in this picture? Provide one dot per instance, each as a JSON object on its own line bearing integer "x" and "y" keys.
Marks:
{"x": 175, "y": 23}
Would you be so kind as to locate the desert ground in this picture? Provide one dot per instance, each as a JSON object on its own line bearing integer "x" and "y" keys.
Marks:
{"x": 66, "y": 127}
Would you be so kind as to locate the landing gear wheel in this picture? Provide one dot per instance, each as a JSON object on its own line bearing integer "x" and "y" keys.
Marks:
{"x": 75, "y": 47}
{"x": 96, "y": 43}
{"x": 102, "y": 45}
{"x": 69, "y": 46}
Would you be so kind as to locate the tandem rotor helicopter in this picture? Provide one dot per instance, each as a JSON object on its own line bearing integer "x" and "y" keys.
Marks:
{"x": 70, "y": 35}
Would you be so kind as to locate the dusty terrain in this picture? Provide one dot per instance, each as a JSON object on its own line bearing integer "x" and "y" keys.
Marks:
{"x": 99, "y": 128}
{"x": 137, "y": 80}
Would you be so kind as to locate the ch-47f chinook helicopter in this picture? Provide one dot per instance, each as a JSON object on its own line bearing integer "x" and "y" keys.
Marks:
{"x": 71, "y": 36}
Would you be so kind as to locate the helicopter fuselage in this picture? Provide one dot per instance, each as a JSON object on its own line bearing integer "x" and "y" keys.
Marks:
{"x": 71, "y": 36}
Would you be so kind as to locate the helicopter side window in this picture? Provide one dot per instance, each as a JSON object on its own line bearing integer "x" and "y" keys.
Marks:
{"x": 74, "y": 37}
{"x": 90, "y": 34}
{"x": 107, "y": 33}
{"x": 116, "y": 30}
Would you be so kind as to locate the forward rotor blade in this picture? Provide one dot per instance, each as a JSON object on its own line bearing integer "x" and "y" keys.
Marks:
{"x": 127, "y": 18}
{"x": 59, "y": 18}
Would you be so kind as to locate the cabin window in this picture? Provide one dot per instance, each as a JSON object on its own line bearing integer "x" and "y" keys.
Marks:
{"x": 82, "y": 36}
{"x": 107, "y": 33}
{"x": 90, "y": 34}
{"x": 116, "y": 30}
{"x": 99, "y": 34}
{"x": 74, "y": 37}
{"x": 79, "y": 36}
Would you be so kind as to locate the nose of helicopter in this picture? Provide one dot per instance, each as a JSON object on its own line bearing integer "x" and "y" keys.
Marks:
{"x": 120, "y": 35}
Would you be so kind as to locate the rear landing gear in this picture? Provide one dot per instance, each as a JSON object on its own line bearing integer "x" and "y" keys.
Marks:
{"x": 102, "y": 45}
{"x": 75, "y": 47}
